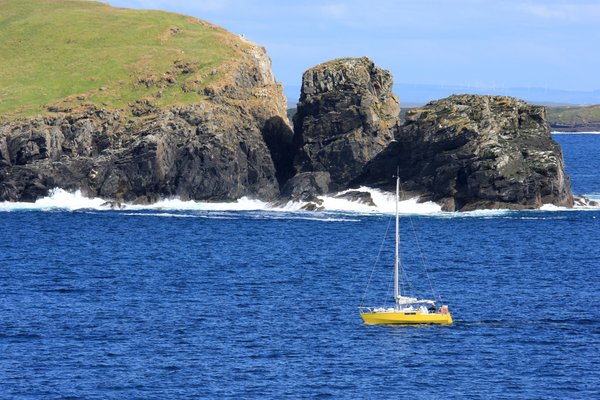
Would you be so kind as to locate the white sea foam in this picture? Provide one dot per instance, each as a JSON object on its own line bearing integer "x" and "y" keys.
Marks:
{"x": 162, "y": 214}
{"x": 60, "y": 199}
{"x": 243, "y": 204}
{"x": 477, "y": 214}
{"x": 551, "y": 207}
{"x": 384, "y": 204}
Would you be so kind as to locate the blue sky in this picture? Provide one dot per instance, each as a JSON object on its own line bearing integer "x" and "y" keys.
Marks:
{"x": 470, "y": 43}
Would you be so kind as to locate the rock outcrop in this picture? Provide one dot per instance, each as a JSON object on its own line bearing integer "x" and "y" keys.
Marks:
{"x": 470, "y": 152}
{"x": 234, "y": 143}
{"x": 307, "y": 185}
{"x": 346, "y": 115}
{"x": 189, "y": 110}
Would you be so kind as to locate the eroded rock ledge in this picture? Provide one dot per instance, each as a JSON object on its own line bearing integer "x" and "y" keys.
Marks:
{"x": 470, "y": 152}
{"x": 347, "y": 114}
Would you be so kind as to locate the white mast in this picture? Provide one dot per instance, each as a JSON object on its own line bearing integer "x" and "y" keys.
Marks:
{"x": 397, "y": 261}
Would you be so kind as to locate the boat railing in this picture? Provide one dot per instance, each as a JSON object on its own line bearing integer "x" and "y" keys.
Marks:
{"x": 408, "y": 308}
{"x": 363, "y": 309}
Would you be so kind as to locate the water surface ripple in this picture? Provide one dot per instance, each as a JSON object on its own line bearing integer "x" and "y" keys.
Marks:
{"x": 252, "y": 304}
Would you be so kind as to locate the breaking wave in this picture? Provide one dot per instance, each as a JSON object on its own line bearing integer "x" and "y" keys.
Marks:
{"x": 58, "y": 199}
{"x": 61, "y": 200}
{"x": 383, "y": 203}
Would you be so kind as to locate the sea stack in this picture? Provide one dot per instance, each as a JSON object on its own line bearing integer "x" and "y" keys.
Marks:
{"x": 470, "y": 152}
{"x": 346, "y": 115}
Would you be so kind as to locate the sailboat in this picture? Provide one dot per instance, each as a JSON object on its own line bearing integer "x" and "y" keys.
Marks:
{"x": 406, "y": 310}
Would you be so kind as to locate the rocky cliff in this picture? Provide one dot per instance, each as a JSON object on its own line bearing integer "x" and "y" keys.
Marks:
{"x": 346, "y": 115}
{"x": 228, "y": 139}
{"x": 193, "y": 152}
{"x": 469, "y": 152}
{"x": 161, "y": 105}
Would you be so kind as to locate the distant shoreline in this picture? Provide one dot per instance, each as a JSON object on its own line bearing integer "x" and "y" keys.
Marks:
{"x": 575, "y": 128}
{"x": 574, "y": 133}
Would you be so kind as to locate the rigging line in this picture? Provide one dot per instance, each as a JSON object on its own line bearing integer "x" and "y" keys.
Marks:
{"x": 408, "y": 288}
{"x": 407, "y": 285}
{"x": 387, "y": 292}
{"x": 424, "y": 260}
{"x": 362, "y": 299}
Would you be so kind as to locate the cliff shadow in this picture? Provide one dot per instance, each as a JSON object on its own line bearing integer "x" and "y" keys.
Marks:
{"x": 278, "y": 137}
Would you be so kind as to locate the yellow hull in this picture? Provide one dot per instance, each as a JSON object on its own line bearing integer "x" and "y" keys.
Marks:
{"x": 401, "y": 318}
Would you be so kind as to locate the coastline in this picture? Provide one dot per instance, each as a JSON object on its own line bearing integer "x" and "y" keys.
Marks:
{"x": 63, "y": 200}
{"x": 575, "y": 133}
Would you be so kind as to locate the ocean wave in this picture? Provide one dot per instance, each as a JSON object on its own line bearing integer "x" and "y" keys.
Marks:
{"x": 62, "y": 200}
{"x": 176, "y": 215}
{"x": 384, "y": 203}
{"x": 552, "y": 207}
{"x": 58, "y": 199}
{"x": 252, "y": 214}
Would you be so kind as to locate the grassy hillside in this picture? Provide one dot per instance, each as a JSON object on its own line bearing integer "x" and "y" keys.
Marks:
{"x": 70, "y": 52}
{"x": 574, "y": 115}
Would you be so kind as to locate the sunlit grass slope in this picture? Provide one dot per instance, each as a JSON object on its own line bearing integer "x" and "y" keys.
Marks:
{"x": 574, "y": 115}
{"x": 71, "y": 52}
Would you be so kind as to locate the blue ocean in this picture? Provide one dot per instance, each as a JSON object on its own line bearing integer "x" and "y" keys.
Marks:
{"x": 186, "y": 301}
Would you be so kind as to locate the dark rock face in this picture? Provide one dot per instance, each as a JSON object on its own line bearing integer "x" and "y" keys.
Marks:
{"x": 346, "y": 115}
{"x": 306, "y": 186}
{"x": 469, "y": 152}
{"x": 222, "y": 149}
{"x": 179, "y": 152}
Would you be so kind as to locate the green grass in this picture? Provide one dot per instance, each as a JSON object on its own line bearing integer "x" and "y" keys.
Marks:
{"x": 573, "y": 115}
{"x": 71, "y": 52}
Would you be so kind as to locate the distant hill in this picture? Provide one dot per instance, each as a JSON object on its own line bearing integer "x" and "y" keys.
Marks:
{"x": 545, "y": 96}
{"x": 423, "y": 93}
{"x": 574, "y": 119}
{"x": 68, "y": 52}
